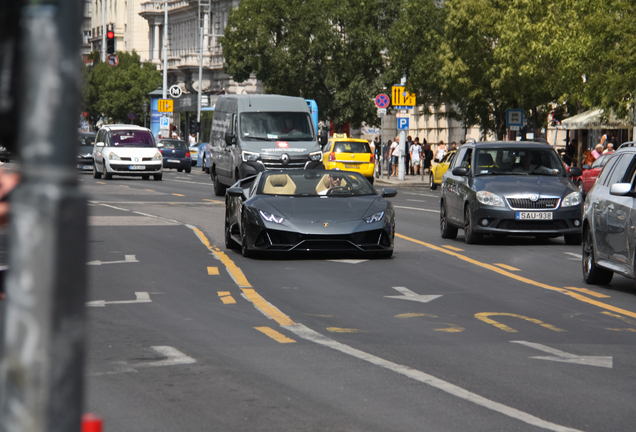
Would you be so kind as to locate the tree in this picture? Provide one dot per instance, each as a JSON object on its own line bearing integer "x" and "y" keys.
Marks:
{"x": 327, "y": 50}
{"x": 116, "y": 91}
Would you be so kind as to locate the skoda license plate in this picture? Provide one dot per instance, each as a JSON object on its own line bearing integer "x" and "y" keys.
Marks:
{"x": 137, "y": 167}
{"x": 534, "y": 216}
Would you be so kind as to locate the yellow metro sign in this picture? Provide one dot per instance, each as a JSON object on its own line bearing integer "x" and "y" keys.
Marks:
{"x": 164, "y": 105}
{"x": 400, "y": 97}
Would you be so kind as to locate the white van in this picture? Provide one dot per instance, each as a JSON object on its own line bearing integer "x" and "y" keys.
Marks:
{"x": 253, "y": 133}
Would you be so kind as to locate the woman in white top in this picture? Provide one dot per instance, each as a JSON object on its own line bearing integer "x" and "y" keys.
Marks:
{"x": 441, "y": 151}
{"x": 415, "y": 155}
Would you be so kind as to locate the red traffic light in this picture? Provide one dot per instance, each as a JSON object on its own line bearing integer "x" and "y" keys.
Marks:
{"x": 110, "y": 34}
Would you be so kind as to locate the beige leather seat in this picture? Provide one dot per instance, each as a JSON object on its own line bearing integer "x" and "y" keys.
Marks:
{"x": 323, "y": 184}
{"x": 279, "y": 184}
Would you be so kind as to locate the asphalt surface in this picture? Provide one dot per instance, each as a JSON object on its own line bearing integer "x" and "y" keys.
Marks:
{"x": 511, "y": 338}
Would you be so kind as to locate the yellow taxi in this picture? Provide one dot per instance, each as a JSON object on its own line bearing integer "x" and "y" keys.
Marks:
{"x": 438, "y": 170}
{"x": 349, "y": 154}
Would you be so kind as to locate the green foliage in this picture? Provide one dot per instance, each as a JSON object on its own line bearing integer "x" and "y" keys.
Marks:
{"x": 327, "y": 50}
{"x": 116, "y": 91}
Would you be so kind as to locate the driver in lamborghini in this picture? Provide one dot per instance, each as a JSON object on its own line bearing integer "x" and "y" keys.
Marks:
{"x": 333, "y": 181}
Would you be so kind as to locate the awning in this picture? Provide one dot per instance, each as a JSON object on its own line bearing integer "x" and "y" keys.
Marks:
{"x": 593, "y": 119}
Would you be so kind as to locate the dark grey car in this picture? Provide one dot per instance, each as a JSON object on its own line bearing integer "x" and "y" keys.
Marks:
{"x": 609, "y": 239}
{"x": 510, "y": 188}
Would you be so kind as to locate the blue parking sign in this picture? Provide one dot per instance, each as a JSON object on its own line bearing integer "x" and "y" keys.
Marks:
{"x": 403, "y": 123}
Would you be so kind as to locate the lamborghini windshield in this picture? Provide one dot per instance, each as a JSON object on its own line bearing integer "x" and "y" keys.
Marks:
{"x": 315, "y": 183}
{"x": 518, "y": 161}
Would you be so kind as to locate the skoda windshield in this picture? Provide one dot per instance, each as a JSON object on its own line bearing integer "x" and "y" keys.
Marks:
{"x": 518, "y": 161}
{"x": 276, "y": 126}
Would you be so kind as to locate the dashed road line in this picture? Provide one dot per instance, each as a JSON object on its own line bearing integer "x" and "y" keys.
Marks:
{"x": 277, "y": 336}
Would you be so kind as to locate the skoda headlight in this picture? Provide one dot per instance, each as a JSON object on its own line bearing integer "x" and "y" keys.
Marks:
{"x": 374, "y": 218}
{"x": 571, "y": 200}
{"x": 272, "y": 217}
{"x": 315, "y": 156}
{"x": 250, "y": 156}
{"x": 157, "y": 156}
{"x": 489, "y": 198}
{"x": 113, "y": 156}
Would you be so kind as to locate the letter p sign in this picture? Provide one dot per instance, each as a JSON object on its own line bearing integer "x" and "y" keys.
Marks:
{"x": 403, "y": 123}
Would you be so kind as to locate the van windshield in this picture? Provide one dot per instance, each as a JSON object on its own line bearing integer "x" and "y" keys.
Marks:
{"x": 274, "y": 126}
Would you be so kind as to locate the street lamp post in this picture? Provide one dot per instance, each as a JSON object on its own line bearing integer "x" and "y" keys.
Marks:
{"x": 145, "y": 106}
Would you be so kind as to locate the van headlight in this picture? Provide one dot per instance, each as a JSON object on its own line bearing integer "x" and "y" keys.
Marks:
{"x": 113, "y": 156}
{"x": 250, "y": 156}
{"x": 489, "y": 198}
{"x": 157, "y": 156}
{"x": 374, "y": 218}
{"x": 269, "y": 217}
{"x": 315, "y": 156}
{"x": 571, "y": 200}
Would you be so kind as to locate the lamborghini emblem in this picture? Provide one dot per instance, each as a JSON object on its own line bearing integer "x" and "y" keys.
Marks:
{"x": 326, "y": 224}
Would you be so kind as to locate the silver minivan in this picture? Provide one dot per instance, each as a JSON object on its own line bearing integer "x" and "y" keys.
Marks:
{"x": 609, "y": 239}
{"x": 253, "y": 133}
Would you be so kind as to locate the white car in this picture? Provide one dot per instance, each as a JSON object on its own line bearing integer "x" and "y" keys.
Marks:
{"x": 127, "y": 150}
{"x": 194, "y": 152}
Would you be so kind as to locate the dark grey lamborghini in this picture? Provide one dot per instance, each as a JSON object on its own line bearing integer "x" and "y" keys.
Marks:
{"x": 309, "y": 211}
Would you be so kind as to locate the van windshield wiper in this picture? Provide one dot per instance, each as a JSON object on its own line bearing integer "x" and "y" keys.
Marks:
{"x": 256, "y": 138}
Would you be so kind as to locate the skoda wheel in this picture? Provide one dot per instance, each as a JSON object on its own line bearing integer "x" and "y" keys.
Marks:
{"x": 593, "y": 274}
{"x": 448, "y": 231}
{"x": 470, "y": 236}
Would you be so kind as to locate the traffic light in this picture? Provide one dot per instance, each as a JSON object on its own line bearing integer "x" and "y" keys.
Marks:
{"x": 110, "y": 41}
{"x": 194, "y": 125}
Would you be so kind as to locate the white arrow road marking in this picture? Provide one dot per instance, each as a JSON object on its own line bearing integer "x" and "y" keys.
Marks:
{"x": 127, "y": 259}
{"x": 349, "y": 261}
{"x": 142, "y": 297}
{"x": 174, "y": 357}
{"x": 407, "y": 294}
{"x": 561, "y": 356}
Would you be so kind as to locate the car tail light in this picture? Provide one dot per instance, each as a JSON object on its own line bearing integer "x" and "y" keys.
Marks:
{"x": 372, "y": 159}
{"x": 332, "y": 157}
{"x": 187, "y": 154}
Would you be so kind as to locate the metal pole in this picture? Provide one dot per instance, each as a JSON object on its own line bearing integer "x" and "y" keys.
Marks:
{"x": 165, "y": 50}
{"x": 41, "y": 373}
{"x": 103, "y": 31}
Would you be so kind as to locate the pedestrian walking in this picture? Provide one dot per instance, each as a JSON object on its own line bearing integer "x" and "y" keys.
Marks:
{"x": 415, "y": 156}
{"x": 407, "y": 156}
{"x": 395, "y": 152}
{"x": 427, "y": 156}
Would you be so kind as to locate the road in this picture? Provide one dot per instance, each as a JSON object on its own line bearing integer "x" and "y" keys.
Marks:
{"x": 186, "y": 335}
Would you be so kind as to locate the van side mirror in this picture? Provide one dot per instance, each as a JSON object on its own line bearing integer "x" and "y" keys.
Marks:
{"x": 230, "y": 138}
{"x": 323, "y": 137}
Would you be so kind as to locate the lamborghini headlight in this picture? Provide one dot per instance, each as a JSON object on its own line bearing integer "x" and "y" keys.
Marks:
{"x": 315, "y": 156}
{"x": 113, "y": 156}
{"x": 157, "y": 156}
{"x": 272, "y": 217}
{"x": 250, "y": 156}
{"x": 489, "y": 198}
{"x": 374, "y": 218}
{"x": 571, "y": 200}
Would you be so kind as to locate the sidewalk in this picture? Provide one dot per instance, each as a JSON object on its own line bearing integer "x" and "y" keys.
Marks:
{"x": 409, "y": 180}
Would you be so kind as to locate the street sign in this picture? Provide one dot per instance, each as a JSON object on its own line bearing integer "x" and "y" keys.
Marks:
{"x": 164, "y": 123}
{"x": 403, "y": 123}
{"x": 112, "y": 60}
{"x": 381, "y": 112}
{"x": 165, "y": 105}
{"x": 382, "y": 101}
{"x": 401, "y": 98}
{"x": 514, "y": 117}
{"x": 515, "y": 128}
{"x": 175, "y": 91}
{"x": 401, "y": 115}
{"x": 132, "y": 116}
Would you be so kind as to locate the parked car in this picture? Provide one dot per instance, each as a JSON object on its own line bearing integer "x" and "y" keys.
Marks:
{"x": 438, "y": 170}
{"x": 203, "y": 157}
{"x": 194, "y": 151}
{"x": 127, "y": 150}
{"x": 85, "y": 152}
{"x": 609, "y": 239}
{"x": 176, "y": 154}
{"x": 590, "y": 174}
{"x": 510, "y": 188}
{"x": 309, "y": 211}
{"x": 349, "y": 154}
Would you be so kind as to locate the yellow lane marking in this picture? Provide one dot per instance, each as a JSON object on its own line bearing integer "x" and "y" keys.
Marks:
{"x": 452, "y": 329}
{"x": 100, "y": 182}
{"x": 483, "y": 316}
{"x": 588, "y": 292}
{"x": 628, "y": 330}
{"x": 343, "y": 330}
{"x": 124, "y": 186}
{"x": 622, "y": 318}
{"x": 453, "y": 248}
{"x": 235, "y": 272}
{"x": 175, "y": 194}
{"x": 226, "y": 297}
{"x": 278, "y": 337}
{"x": 507, "y": 267}
{"x": 521, "y": 278}
{"x": 150, "y": 190}
{"x": 213, "y": 271}
{"x": 267, "y": 308}
{"x": 214, "y": 201}
{"x": 411, "y": 315}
